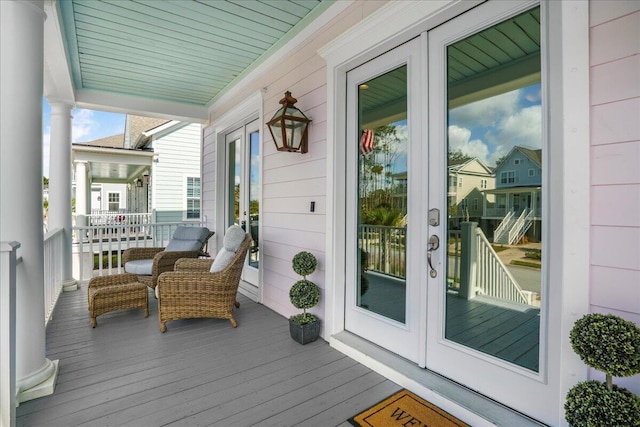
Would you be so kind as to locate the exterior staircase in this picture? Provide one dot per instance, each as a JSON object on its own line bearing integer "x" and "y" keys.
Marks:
{"x": 512, "y": 229}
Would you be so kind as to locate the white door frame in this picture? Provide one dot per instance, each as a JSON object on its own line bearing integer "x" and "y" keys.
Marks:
{"x": 568, "y": 69}
{"x": 405, "y": 339}
{"x": 246, "y": 111}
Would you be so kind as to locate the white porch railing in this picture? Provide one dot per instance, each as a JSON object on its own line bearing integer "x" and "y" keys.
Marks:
{"x": 521, "y": 226}
{"x": 386, "y": 247}
{"x": 118, "y": 218}
{"x": 502, "y": 230}
{"x": 8, "y": 263}
{"x": 97, "y": 249}
{"x": 53, "y": 249}
{"x": 493, "y": 279}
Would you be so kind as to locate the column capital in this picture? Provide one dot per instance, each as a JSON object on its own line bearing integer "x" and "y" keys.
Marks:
{"x": 59, "y": 106}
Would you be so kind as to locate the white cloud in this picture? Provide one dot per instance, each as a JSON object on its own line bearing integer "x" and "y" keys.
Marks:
{"x": 486, "y": 112}
{"x": 459, "y": 140}
{"x": 83, "y": 125}
{"x": 46, "y": 150}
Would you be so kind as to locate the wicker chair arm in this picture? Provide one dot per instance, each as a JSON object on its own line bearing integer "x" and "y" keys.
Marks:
{"x": 196, "y": 285}
{"x": 193, "y": 264}
{"x": 133, "y": 254}
{"x": 116, "y": 279}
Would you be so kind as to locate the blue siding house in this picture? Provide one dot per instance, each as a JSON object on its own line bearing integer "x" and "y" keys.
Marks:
{"x": 522, "y": 167}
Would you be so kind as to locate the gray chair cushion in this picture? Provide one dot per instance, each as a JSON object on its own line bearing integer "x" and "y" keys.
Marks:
{"x": 232, "y": 240}
{"x": 187, "y": 239}
{"x": 141, "y": 267}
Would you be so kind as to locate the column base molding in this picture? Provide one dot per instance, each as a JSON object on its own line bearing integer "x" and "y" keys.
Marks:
{"x": 69, "y": 285}
{"x": 38, "y": 384}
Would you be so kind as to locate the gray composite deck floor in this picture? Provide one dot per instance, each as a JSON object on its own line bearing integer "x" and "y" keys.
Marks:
{"x": 200, "y": 372}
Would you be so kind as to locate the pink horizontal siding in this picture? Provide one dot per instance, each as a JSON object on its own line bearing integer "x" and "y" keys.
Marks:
{"x": 615, "y": 158}
{"x": 291, "y": 181}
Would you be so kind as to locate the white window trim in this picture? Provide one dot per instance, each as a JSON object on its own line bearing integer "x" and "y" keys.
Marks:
{"x": 119, "y": 194}
{"x": 532, "y": 172}
{"x": 568, "y": 93}
{"x": 185, "y": 206}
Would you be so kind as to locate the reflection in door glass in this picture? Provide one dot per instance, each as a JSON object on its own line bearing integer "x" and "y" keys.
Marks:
{"x": 494, "y": 191}
{"x": 382, "y": 190}
{"x": 235, "y": 154}
{"x": 254, "y": 196}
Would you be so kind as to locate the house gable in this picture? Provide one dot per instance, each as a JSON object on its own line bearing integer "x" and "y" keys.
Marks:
{"x": 521, "y": 168}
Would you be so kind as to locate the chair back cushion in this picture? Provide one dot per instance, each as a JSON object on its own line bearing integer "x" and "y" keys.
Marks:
{"x": 233, "y": 238}
{"x": 187, "y": 239}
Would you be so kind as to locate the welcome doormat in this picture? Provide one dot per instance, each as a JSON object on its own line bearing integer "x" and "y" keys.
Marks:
{"x": 405, "y": 409}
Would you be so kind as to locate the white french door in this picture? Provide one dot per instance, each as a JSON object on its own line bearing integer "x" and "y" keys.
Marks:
{"x": 442, "y": 131}
{"x": 385, "y": 164}
{"x": 243, "y": 194}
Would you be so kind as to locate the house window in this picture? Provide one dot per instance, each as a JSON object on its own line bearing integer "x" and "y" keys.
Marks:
{"x": 453, "y": 181}
{"x": 193, "y": 197}
{"x": 483, "y": 183}
{"x": 114, "y": 202}
{"x": 475, "y": 204}
{"x": 532, "y": 172}
{"x": 508, "y": 177}
{"x": 460, "y": 182}
{"x": 516, "y": 161}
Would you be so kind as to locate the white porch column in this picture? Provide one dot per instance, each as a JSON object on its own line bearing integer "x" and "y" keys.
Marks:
{"x": 81, "y": 194}
{"x": 60, "y": 184}
{"x": 21, "y": 85}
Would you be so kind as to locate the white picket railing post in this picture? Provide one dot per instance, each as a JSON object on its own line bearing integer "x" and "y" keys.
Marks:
{"x": 468, "y": 260}
{"x": 8, "y": 262}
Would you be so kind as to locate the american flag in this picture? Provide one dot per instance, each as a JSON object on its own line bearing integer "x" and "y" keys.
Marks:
{"x": 366, "y": 142}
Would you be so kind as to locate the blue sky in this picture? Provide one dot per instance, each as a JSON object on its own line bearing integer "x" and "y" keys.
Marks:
{"x": 87, "y": 125}
{"x": 490, "y": 128}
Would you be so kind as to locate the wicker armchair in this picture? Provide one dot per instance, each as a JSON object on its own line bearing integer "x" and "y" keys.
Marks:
{"x": 162, "y": 260}
{"x": 192, "y": 291}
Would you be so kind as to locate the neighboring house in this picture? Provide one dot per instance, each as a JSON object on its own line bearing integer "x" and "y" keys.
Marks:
{"x": 466, "y": 183}
{"x": 572, "y": 69}
{"x": 165, "y": 182}
{"x": 518, "y": 192}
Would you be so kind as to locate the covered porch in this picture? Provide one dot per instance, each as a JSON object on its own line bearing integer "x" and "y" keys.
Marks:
{"x": 201, "y": 371}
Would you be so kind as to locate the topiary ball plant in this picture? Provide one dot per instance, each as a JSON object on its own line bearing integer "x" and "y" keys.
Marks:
{"x": 608, "y": 343}
{"x": 304, "y": 293}
{"x": 592, "y": 404}
{"x": 612, "y": 345}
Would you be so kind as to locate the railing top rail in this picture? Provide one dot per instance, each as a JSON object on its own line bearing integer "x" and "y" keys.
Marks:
{"x": 52, "y": 233}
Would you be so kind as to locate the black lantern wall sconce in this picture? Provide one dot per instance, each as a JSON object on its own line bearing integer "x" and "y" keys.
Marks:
{"x": 289, "y": 127}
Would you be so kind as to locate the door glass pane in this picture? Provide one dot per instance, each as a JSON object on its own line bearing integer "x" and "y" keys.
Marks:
{"x": 494, "y": 191}
{"x": 254, "y": 199}
{"x": 234, "y": 179}
{"x": 382, "y": 191}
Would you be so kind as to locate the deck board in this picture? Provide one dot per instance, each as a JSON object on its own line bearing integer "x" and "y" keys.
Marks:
{"x": 200, "y": 372}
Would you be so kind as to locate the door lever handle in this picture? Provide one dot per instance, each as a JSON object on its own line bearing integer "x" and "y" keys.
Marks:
{"x": 434, "y": 244}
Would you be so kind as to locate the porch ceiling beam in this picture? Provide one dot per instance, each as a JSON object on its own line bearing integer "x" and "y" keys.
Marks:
{"x": 147, "y": 107}
{"x": 102, "y": 155}
{"x": 512, "y": 76}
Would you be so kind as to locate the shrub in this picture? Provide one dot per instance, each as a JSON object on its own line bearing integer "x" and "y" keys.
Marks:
{"x": 592, "y": 404}
{"x": 607, "y": 343}
{"x": 304, "y": 263}
{"x": 304, "y": 293}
